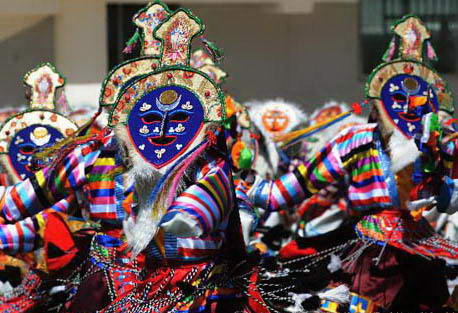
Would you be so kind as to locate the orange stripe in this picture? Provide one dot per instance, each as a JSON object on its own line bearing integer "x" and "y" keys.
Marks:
{"x": 102, "y": 185}
{"x": 368, "y": 174}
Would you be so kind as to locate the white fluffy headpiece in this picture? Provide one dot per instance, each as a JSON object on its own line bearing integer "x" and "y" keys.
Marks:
{"x": 257, "y": 109}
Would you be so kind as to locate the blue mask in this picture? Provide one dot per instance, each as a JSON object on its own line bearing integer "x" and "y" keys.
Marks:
{"x": 406, "y": 99}
{"x": 29, "y": 141}
{"x": 164, "y": 123}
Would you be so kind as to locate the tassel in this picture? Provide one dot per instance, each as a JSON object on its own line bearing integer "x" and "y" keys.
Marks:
{"x": 389, "y": 54}
{"x": 5, "y": 288}
{"x": 213, "y": 50}
{"x": 357, "y": 108}
{"x": 335, "y": 264}
{"x": 298, "y": 300}
{"x": 131, "y": 43}
{"x": 430, "y": 52}
{"x": 340, "y": 294}
{"x": 62, "y": 103}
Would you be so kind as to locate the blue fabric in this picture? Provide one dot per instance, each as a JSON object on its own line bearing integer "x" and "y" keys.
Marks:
{"x": 445, "y": 194}
{"x": 108, "y": 241}
{"x": 389, "y": 176}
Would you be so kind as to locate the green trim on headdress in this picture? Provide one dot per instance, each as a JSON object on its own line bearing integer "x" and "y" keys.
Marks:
{"x": 410, "y": 52}
{"x": 167, "y": 65}
{"x": 44, "y": 75}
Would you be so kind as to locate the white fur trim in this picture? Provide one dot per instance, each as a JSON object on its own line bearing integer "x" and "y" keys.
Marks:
{"x": 403, "y": 151}
{"x": 257, "y": 108}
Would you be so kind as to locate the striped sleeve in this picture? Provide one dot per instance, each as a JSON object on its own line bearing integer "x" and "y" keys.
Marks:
{"x": 296, "y": 186}
{"x": 327, "y": 167}
{"x": 207, "y": 202}
{"x": 22, "y": 236}
{"x": 48, "y": 186}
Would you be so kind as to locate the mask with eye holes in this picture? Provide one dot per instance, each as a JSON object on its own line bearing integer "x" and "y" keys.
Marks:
{"x": 164, "y": 122}
{"x": 406, "y": 99}
{"x": 29, "y": 141}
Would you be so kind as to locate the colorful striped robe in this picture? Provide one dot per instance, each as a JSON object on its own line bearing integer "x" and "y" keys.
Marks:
{"x": 95, "y": 170}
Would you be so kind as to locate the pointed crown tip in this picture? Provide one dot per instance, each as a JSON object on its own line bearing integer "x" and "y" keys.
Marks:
{"x": 413, "y": 39}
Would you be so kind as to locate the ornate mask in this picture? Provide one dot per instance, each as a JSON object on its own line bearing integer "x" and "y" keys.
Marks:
{"x": 29, "y": 141}
{"x": 326, "y": 114}
{"x": 168, "y": 110}
{"x": 275, "y": 117}
{"x": 275, "y": 121}
{"x": 164, "y": 122}
{"x": 407, "y": 99}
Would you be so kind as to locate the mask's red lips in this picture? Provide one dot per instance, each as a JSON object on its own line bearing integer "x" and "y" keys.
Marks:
{"x": 409, "y": 117}
{"x": 162, "y": 140}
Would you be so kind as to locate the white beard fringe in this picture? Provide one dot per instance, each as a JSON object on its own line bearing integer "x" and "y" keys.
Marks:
{"x": 140, "y": 230}
{"x": 403, "y": 151}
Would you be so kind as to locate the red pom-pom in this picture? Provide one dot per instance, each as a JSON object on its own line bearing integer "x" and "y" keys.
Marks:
{"x": 211, "y": 137}
{"x": 357, "y": 109}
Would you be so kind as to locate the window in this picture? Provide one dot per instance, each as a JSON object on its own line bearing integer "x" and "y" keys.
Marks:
{"x": 376, "y": 18}
{"x": 121, "y": 29}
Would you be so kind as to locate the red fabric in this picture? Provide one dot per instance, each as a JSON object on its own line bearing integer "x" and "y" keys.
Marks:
{"x": 59, "y": 235}
{"x": 3, "y": 179}
{"x": 292, "y": 250}
{"x": 399, "y": 282}
{"x": 255, "y": 302}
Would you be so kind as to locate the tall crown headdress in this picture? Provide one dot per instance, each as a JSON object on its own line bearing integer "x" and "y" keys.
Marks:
{"x": 410, "y": 52}
{"x": 164, "y": 66}
{"x": 41, "y": 118}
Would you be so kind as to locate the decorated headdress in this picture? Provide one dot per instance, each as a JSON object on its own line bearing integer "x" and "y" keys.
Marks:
{"x": 204, "y": 63}
{"x": 166, "y": 106}
{"x": 406, "y": 84}
{"x": 36, "y": 128}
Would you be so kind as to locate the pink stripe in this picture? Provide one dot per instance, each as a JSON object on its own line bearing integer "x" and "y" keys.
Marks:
{"x": 104, "y": 200}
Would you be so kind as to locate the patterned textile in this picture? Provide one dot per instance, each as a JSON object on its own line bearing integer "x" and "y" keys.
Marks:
{"x": 355, "y": 157}
{"x": 25, "y": 298}
{"x": 399, "y": 229}
{"x": 126, "y": 283}
{"x": 209, "y": 202}
{"x": 22, "y": 236}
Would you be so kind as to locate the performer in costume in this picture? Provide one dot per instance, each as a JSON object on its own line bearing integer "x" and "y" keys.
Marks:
{"x": 45, "y": 239}
{"x": 273, "y": 118}
{"x": 379, "y": 165}
{"x": 38, "y": 127}
{"x": 159, "y": 181}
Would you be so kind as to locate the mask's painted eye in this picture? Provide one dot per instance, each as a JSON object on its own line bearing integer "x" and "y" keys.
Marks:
{"x": 151, "y": 118}
{"x": 179, "y": 117}
{"x": 399, "y": 97}
{"x": 26, "y": 149}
